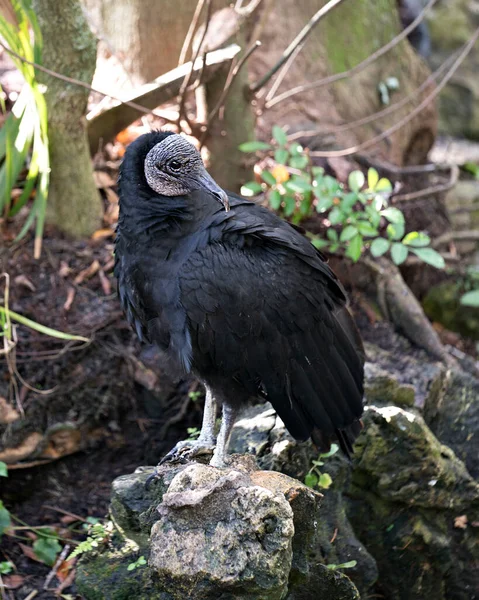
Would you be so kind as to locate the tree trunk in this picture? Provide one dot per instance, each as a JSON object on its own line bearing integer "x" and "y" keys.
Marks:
{"x": 346, "y": 36}
{"x": 146, "y": 35}
{"x": 69, "y": 48}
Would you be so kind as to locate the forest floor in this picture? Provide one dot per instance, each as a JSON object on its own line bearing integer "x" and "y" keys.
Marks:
{"x": 62, "y": 493}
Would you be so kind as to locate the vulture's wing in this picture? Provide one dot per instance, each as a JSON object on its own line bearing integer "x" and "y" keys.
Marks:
{"x": 265, "y": 309}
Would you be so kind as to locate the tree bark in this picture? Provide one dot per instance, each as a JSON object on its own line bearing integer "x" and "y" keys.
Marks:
{"x": 69, "y": 48}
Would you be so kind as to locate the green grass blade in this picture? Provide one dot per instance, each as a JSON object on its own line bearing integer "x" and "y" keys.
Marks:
{"x": 41, "y": 328}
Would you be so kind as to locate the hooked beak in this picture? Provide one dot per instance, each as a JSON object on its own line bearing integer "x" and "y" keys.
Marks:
{"x": 210, "y": 184}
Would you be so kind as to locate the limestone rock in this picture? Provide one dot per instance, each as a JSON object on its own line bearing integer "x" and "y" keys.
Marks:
{"x": 219, "y": 533}
{"x": 406, "y": 495}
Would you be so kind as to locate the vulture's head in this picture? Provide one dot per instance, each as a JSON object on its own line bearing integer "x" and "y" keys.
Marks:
{"x": 170, "y": 166}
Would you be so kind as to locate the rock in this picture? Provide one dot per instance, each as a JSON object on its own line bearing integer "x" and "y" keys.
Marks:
{"x": 261, "y": 430}
{"x": 452, "y": 412}
{"x": 230, "y": 533}
{"x": 406, "y": 494}
{"x": 218, "y": 533}
{"x": 452, "y": 24}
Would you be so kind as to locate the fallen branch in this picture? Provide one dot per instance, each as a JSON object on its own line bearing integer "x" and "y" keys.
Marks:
{"x": 106, "y": 125}
{"x": 456, "y": 236}
{"x": 433, "y": 189}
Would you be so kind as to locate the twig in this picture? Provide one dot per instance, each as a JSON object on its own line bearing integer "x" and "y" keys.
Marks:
{"x": 64, "y": 512}
{"x": 433, "y": 189}
{"x": 31, "y": 595}
{"x": 299, "y": 39}
{"x": 282, "y": 74}
{"x": 229, "y": 82}
{"x": 191, "y": 31}
{"x": 373, "y": 141}
{"x": 377, "y": 115}
{"x": 175, "y": 418}
{"x": 456, "y": 236}
{"x": 359, "y": 67}
{"x": 56, "y": 566}
{"x": 187, "y": 79}
{"x": 384, "y": 165}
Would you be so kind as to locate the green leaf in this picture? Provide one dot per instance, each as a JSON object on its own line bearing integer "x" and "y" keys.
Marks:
{"x": 46, "y": 550}
{"x": 281, "y": 156}
{"x": 393, "y": 215}
{"x": 347, "y": 565}
{"x": 6, "y": 567}
{"x": 279, "y": 135}
{"x": 332, "y": 234}
{"x": 311, "y": 480}
{"x": 430, "y": 256}
{"x": 319, "y": 243}
{"x": 268, "y": 177}
{"x": 399, "y": 253}
{"x": 299, "y": 162}
{"x": 254, "y": 146}
{"x": 335, "y": 216}
{"x": 472, "y": 168}
{"x": 324, "y": 204}
{"x": 4, "y": 518}
{"x": 289, "y": 205}
{"x": 3, "y": 469}
{"x": 305, "y": 206}
{"x": 348, "y": 201}
{"x": 373, "y": 178}
{"x": 356, "y": 181}
{"x": 471, "y": 299}
{"x": 354, "y": 248}
{"x": 395, "y": 231}
{"x": 274, "y": 199}
{"x": 298, "y": 185}
{"x": 347, "y": 233}
{"x": 366, "y": 228}
{"x": 383, "y": 185}
{"x": 392, "y": 83}
{"x": 380, "y": 246}
{"x": 332, "y": 451}
{"x": 325, "y": 481}
{"x": 295, "y": 149}
{"x": 252, "y": 188}
{"x": 416, "y": 239}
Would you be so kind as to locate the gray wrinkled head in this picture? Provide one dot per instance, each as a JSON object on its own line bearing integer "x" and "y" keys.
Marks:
{"x": 174, "y": 167}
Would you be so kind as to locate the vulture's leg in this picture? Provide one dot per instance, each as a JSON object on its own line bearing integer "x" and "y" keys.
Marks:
{"x": 229, "y": 417}
{"x": 190, "y": 449}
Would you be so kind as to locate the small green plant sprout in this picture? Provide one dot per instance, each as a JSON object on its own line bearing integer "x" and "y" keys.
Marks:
{"x": 347, "y": 565}
{"x": 193, "y": 433}
{"x": 357, "y": 218}
{"x": 47, "y": 547}
{"x": 5, "y": 519}
{"x": 472, "y": 168}
{"x": 3, "y": 469}
{"x": 138, "y": 563}
{"x": 99, "y": 535}
{"x": 194, "y": 396}
{"x": 314, "y": 478}
{"x": 6, "y": 567}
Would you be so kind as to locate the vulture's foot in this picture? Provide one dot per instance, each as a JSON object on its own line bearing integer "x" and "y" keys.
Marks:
{"x": 189, "y": 450}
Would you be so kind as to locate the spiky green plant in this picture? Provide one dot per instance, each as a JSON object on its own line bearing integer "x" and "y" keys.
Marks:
{"x": 24, "y": 135}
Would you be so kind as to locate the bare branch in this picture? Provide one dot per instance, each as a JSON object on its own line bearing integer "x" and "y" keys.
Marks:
{"x": 186, "y": 82}
{"x": 359, "y": 67}
{"x": 191, "y": 32}
{"x": 433, "y": 189}
{"x": 367, "y": 144}
{"x": 298, "y": 40}
{"x": 229, "y": 82}
{"x": 380, "y": 114}
{"x": 456, "y": 236}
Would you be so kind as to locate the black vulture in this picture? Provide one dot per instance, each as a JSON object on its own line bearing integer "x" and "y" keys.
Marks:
{"x": 237, "y": 297}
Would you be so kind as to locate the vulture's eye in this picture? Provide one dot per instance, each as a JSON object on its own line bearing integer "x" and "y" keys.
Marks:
{"x": 174, "y": 165}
